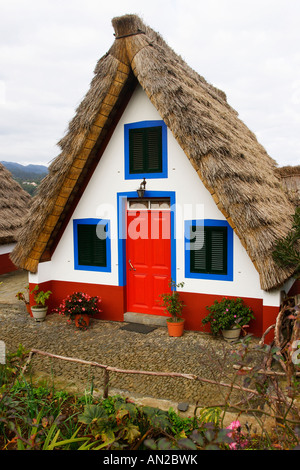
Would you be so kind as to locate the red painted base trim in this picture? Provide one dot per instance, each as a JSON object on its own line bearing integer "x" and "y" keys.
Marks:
{"x": 6, "y": 265}
{"x": 195, "y": 311}
{"x": 112, "y": 296}
{"x": 114, "y": 305}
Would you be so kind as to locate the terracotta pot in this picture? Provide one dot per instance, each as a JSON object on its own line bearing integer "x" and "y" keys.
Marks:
{"x": 28, "y": 308}
{"x": 82, "y": 320}
{"x": 232, "y": 334}
{"x": 175, "y": 328}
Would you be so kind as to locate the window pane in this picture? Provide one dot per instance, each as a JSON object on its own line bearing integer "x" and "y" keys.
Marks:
{"x": 136, "y": 150}
{"x": 154, "y": 153}
{"x": 218, "y": 250}
{"x": 91, "y": 249}
{"x": 208, "y": 250}
{"x": 198, "y": 249}
{"x": 138, "y": 204}
{"x": 163, "y": 204}
{"x": 145, "y": 150}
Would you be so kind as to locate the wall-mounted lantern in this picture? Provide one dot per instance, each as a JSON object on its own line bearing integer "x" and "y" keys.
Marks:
{"x": 141, "y": 190}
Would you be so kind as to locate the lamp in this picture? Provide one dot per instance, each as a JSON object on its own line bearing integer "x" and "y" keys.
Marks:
{"x": 141, "y": 190}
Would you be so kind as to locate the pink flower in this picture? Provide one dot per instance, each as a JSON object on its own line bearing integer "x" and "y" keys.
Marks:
{"x": 236, "y": 434}
{"x": 234, "y": 425}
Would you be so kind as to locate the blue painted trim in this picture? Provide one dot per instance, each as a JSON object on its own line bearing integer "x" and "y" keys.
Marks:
{"x": 139, "y": 125}
{"x": 95, "y": 222}
{"x": 209, "y": 223}
{"x": 122, "y": 207}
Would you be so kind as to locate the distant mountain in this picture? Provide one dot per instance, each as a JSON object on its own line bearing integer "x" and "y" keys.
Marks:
{"x": 19, "y": 170}
{"x": 28, "y": 176}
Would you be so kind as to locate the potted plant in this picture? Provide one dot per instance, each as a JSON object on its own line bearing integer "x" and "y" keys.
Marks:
{"x": 228, "y": 316}
{"x": 39, "y": 310}
{"x": 79, "y": 307}
{"x": 173, "y": 306}
{"x": 21, "y": 296}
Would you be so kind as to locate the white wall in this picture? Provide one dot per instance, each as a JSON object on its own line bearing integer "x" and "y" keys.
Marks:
{"x": 4, "y": 249}
{"x": 99, "y": 201}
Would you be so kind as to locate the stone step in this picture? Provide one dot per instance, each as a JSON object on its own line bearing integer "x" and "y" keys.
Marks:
{"x": 144, "y": 319}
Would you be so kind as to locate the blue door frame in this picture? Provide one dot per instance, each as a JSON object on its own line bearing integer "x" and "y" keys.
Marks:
{"x": 122, "y": 232}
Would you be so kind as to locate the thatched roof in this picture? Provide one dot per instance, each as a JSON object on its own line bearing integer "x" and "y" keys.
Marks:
{"x": 230, "y": 162}
{"x": 14, "y": 205}
{"x": 290, "y": 179}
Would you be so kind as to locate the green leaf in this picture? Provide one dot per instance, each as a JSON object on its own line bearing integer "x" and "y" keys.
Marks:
{"x": 151, "y": 444}
{"x": 197, "y": 438}
{"x": 158, "y": 418}
{"x": 164, "y": 444}
{"x": 187, "y": 444}
{"x": 132, "y": 433}
{"x": 91, "y": 414}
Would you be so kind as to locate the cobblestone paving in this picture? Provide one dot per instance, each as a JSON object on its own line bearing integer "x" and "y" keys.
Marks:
{"x": 106, "y": 343}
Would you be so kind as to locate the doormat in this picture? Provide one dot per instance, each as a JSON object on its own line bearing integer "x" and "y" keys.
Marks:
{"x": 138, "y": 328}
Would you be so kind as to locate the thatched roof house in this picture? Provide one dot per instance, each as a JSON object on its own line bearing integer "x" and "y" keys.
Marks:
{"x": 14, "y": 206}
{"x": 226, "y": 155}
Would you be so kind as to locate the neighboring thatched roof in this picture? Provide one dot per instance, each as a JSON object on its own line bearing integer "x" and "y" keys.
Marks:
{"x": 230, "y": 162}
{"x": 290, "y": 178}
{"x": 14, "y": 205}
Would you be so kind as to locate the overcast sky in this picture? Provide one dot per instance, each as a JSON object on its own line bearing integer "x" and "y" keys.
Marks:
{"x": 250, "y": 49}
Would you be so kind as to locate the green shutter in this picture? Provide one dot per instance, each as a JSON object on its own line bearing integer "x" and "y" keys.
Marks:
{"x": 198, "y": 250}
{"x": 154, "y": 149}
{"x": 218, "y": 250}
{"x": 145, "y": 150}
{"x": 208, "y": 250}
{"x": 91, "y": 249}
{"x": 136, "y": 151}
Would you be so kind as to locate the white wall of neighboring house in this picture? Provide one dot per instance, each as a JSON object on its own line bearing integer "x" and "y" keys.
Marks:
{"x": 193, "y": 201}
{"x": 8, "y": 248}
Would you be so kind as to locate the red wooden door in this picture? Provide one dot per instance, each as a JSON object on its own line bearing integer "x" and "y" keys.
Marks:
{"x": 148, "y": 250}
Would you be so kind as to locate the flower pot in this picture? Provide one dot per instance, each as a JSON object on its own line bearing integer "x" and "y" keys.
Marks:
{"x": 28, "y": 308}
{"x": 175, "y": 328}
{"x": 39, "y": 313}
{"x": 232, "y": 334}
{"x": 82, "y": 320}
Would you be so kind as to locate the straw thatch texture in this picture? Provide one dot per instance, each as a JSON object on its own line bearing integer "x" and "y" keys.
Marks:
{"x": 233, "y": 166}
{"x": 290, "y": 179}
{"x": 14, "y": 205}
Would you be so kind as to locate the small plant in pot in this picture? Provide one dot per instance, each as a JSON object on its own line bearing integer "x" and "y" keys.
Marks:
{"x": 39, "y": 310}
{"x": 230, "y": 316}
{"x": 173, "y": 306}
{"x": 79, "y": 307}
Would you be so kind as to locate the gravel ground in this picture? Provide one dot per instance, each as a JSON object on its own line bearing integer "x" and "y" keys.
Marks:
{"x": 106, "y": 343}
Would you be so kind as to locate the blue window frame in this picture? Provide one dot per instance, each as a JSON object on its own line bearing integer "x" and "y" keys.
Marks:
{"x": 210, "y": 254}
{"x": 148, "y": 135}
{"x": 92, "y": 245}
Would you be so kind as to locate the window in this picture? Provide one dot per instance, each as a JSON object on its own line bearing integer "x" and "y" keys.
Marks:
{"x": 149, "y": 204}
{"x": 209, "y": 250}
{"x": 92, "y": 245}
{"x": 146, "y": 150}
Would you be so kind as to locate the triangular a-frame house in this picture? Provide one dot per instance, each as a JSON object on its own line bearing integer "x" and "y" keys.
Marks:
{"x": 14, "y": 205}
{"x": 211, "y": 212}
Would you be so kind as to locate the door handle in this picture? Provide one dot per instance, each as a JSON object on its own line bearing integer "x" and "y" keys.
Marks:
{"x": 131, "y": 267}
